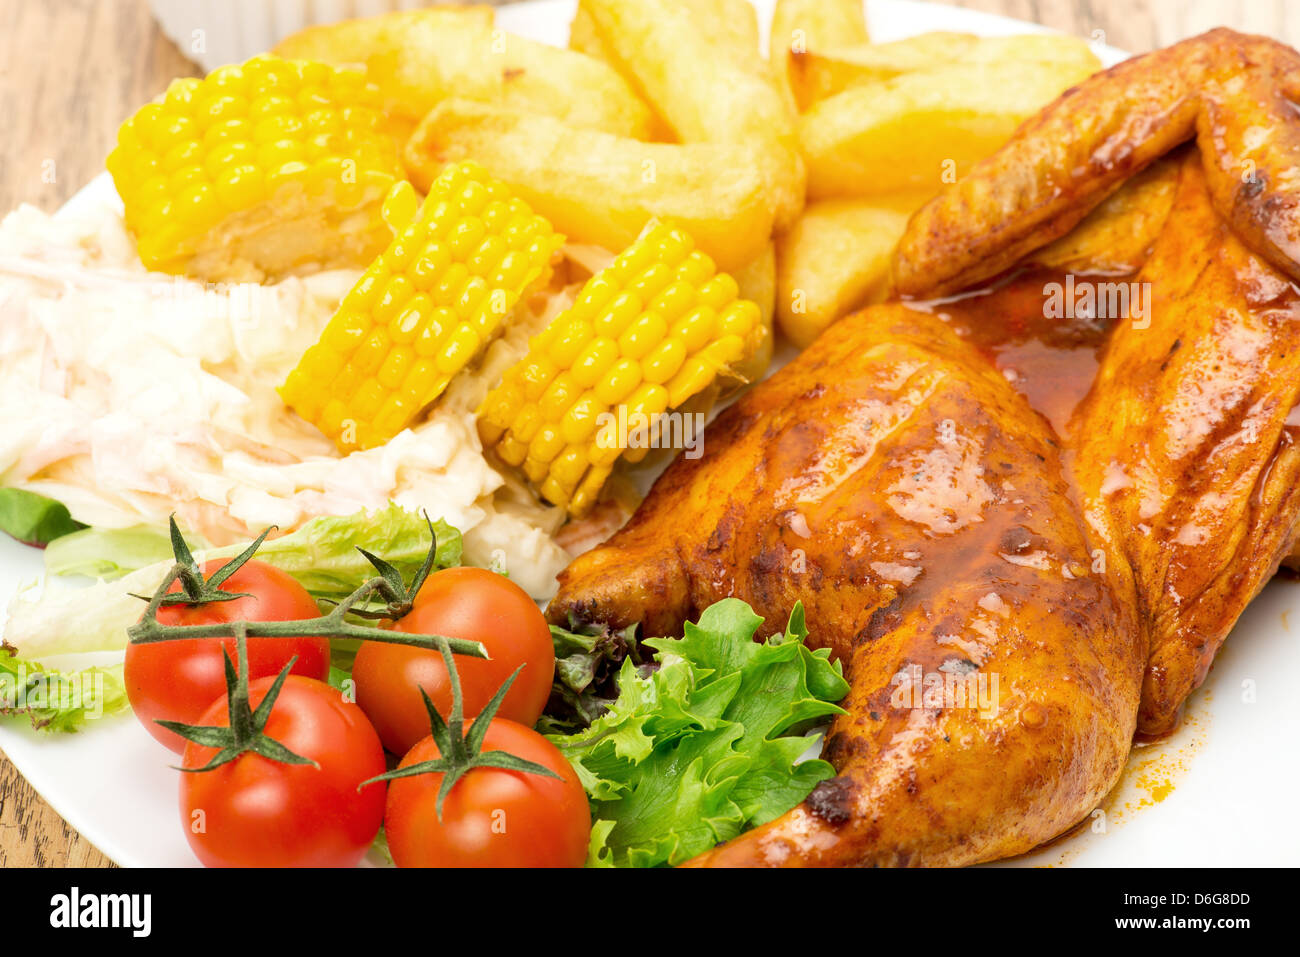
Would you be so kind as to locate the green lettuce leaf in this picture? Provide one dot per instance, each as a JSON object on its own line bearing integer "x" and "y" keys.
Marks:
{"x": 705, "y": 746}
{"x": 322, "y": 555}
{"x": 110, "y": 553}
{"x": 33, "y": 518}
{"x": 59, "y": 700}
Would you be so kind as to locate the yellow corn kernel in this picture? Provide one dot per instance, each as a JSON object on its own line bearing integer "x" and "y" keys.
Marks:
{"x": 472, "y": 297}
{"x": 435, "y": 331}
{"x": 446, "y": 291}
{"x": 319, "y": 362}
{"x": 368, "y": 399}
{"x": 662, "y": 363}
{"x": 616, "y": 316}
{"x": 421, "y": 380}
{"x": 647, "y": 402}
{"x": 502, "y": 406}
{"x": 694, "y": 376}
{"x": 674, "y": 300}
{"x": 642, "y": 336}
{"x": 569, "y": 467}
{"x": 343, "y": 333}
{"x": 593, "y": 298}
{"x": 244, "y": 152}
{"x": 695, "y": 270}
{"x": 739, "y": 319}
{"x": 512, "y": 451}
{"x": 579, "y": 423}
{"x": 527, "y": 424}
{"x": 588, "y": 491}
{"x": 408, "y": 323}
{"x": 649, "y": 283}
{"x": 371, "y": 353}
{"x": 546, "y": 445}
{"x": 696, "y": 328}
{"x": 551, "y": 490}
{"x": 387, "y": 422}
{"x": 489, "y": 434}
{"x": 333, "y": 416}
{"x": 594, "y": 361}
{"x": 536, "y": 376}
{"x": 559, "y": 395}
{"x": 423, "y": 312}
{"x": 535, "y": 470}
{"x": 312, "y": 400}
{"x": 618, "y": 384}
{"x": 719, "y": 291}
{"x": 395, "y": 368}
{"x": 460, "y": 347}
{"x": 572, "y": 339}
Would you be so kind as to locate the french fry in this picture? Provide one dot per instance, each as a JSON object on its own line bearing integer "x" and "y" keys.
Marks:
{"x": 420, "y": 58}
{"x": 584, "y": 37}
{"x": 691, "y": 62}
{"x": 821, "y": 73}
{"x": 353, "y": 41}
{"x": 835, "y": 259}
{"x": 737, "y": 21}
{"x": 599, "y": 188}
{"x": 734, "y": 26}
{"x": 801, "y": 26}
{"x": 757, "y": 282}
{"x": 918, "y": 131}
{"x": 1116, "y": 237}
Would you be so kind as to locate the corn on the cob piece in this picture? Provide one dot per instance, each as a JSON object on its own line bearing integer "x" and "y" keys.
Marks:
{"x": 257, "y": 171}
{"x": 642, "y": 337}
{"x": 424, "y": 309}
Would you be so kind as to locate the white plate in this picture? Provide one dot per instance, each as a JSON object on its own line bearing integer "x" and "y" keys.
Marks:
{"x": 1219, "y": 792}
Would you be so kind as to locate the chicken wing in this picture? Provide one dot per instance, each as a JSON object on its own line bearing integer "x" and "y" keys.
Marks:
{"x": 1185, "y": 451}
{"x": 1233, "y": 92}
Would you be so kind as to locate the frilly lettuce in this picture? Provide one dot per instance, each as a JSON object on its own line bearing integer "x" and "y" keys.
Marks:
{"x": 59, "y": 700}
{"x": 587, "y": 668}
{"x": 322, "y": 554}
{"x": 706, "y": 745}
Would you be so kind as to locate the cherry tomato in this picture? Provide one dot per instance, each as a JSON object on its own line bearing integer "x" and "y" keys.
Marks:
{"x": 255, "y": 812}
{"x": 178, "y": 680}
{"x": 491, "y": 817}
{"x": 471, "y": 603}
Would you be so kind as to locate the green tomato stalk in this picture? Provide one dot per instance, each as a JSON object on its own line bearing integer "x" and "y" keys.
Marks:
{"x": 245, "y": 732}
{"x": 461, "y": 752}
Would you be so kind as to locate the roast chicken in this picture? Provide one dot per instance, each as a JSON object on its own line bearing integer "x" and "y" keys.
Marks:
{"x": 1061, "y": 514}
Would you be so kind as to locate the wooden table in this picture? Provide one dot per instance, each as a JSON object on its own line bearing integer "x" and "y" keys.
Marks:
{"x": 72, "y": 70}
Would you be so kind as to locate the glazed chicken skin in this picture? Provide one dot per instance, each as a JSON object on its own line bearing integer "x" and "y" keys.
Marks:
{"x": 896, "y": 484}
{"x": 934, "y": 523}
{"x": 1186, "y": 450}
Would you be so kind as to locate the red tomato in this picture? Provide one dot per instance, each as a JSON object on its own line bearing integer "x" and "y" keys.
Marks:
{"x": 471, "y": 603}
{"x": 255, "y": 812}
{"x": 491, "y": 817}
{"x": 178, "y": 680}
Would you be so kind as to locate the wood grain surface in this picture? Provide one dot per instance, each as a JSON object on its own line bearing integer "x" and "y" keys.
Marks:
{"x": 72, "y": 70}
